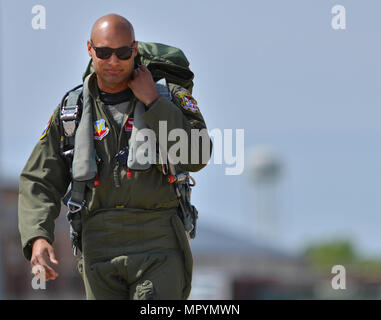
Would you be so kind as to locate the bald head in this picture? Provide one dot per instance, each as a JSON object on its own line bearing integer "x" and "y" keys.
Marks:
{"x": 112, "y": 25}
{"x": 113, "y": 72}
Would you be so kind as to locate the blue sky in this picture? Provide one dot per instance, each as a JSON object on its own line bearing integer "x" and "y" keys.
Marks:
{"x": 273, "y": 68}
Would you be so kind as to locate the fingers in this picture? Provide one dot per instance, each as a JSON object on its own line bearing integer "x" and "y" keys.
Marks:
{"x": 137, "y": 72}
{"x": 52, "y": 256}
{"x": 39, "y": 260}
{"x": 44, "y": 273}
{"x": 140, "y": 70}
{"x": 143, "y": 85}
{"x": 141, "y": 73}
{"x": 50, "y": 274}
{"x": 133, "y": 77}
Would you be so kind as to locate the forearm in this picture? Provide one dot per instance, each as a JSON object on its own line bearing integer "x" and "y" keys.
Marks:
{"x": 43, "y": 182}
{"x": 198, "y": 144}
{"x": 37, "y": 210}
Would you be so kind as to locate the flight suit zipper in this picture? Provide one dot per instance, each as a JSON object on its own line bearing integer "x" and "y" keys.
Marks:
{"x": 116, "y": 172}
{"x": 126, "y": 116}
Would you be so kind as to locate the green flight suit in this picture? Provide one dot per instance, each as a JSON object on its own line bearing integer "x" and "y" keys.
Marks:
{"x": 133, "y": 243}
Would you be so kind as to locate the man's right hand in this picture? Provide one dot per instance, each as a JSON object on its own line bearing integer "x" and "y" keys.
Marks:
{"x": 42, "y": 251}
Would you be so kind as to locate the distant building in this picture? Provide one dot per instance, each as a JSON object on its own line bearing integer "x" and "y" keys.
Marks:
{"x": 226, "y": 266}
{"x": 231, "y": 266}
{"x": 16, "y": 276}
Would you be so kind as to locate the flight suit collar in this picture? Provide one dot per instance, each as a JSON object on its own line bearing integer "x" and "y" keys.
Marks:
{"x": 93, "y": 87}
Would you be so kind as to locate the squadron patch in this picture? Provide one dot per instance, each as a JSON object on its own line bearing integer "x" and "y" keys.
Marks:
{"x": 45, "y": 132}
{"x": 100, "y": 130}
{"x": 187, "y": 101}
{"x": 193, "y": 122}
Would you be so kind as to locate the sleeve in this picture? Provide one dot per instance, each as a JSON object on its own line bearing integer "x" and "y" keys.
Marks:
{"x": 43, "y": 183}
{"x": 182, "y": 113}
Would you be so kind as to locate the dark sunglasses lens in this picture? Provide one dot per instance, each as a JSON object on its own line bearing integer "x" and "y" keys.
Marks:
{"x": 103, "y": 53}
{"x": 123, "y": 53}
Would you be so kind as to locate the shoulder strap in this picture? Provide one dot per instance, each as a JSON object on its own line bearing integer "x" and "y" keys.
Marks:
{"x": 70, "y": 115}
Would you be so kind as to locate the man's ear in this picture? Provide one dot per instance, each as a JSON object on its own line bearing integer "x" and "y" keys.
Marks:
{"x": 89, "y": 47}
{"x": 136, "y": 48}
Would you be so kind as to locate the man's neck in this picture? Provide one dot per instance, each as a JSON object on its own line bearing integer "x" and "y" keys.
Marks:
{"x": 115, "y": 98}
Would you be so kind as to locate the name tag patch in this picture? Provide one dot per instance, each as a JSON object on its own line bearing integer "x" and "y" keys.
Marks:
{"x": 129, "y": 124}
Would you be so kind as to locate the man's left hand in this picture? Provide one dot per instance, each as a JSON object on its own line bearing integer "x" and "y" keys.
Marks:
{"x": 143, "y": 85}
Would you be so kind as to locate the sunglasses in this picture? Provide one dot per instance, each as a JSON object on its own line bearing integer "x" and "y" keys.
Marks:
{"x": 123, "y": 53}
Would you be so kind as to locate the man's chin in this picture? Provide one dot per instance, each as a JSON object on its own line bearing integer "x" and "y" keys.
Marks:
{"x": 115, "y": 80}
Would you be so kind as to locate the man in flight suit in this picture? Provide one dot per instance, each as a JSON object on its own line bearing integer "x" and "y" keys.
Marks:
{"x": 133, "y": 242}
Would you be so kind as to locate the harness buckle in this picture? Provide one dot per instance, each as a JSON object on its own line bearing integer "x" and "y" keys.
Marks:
{"x": 69, "y": 117}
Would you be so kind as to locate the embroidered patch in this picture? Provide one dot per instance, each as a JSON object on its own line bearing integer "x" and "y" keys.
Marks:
{"x": 193, "y": 122}
{"x": 45, "y": 132}
{"x": 129, "y": 124}
{"x": 187, "y": 101}
{"x": 100, "y": 130}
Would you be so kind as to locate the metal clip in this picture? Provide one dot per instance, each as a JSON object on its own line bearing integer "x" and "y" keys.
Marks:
{"x": 193, "y": 181}
{"x": 68, "y": 153}
{"x": 69, "y": 115}
{"x": 77, "y": 206}
{"x": 181, "y": 177}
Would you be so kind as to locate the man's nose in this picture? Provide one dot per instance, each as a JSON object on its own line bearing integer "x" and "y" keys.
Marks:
{"x": 113, "y": 59}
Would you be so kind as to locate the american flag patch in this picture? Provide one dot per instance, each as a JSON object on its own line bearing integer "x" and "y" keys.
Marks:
{"x": 129, "y": 124}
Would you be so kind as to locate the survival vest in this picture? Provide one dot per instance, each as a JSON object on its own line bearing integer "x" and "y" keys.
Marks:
{"x": 163, "y": 61}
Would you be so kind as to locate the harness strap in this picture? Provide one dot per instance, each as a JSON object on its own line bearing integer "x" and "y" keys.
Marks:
{"x": 75, "y": 201}
{"x": 69, "y": 118}
{"x": 78, "y": 193}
